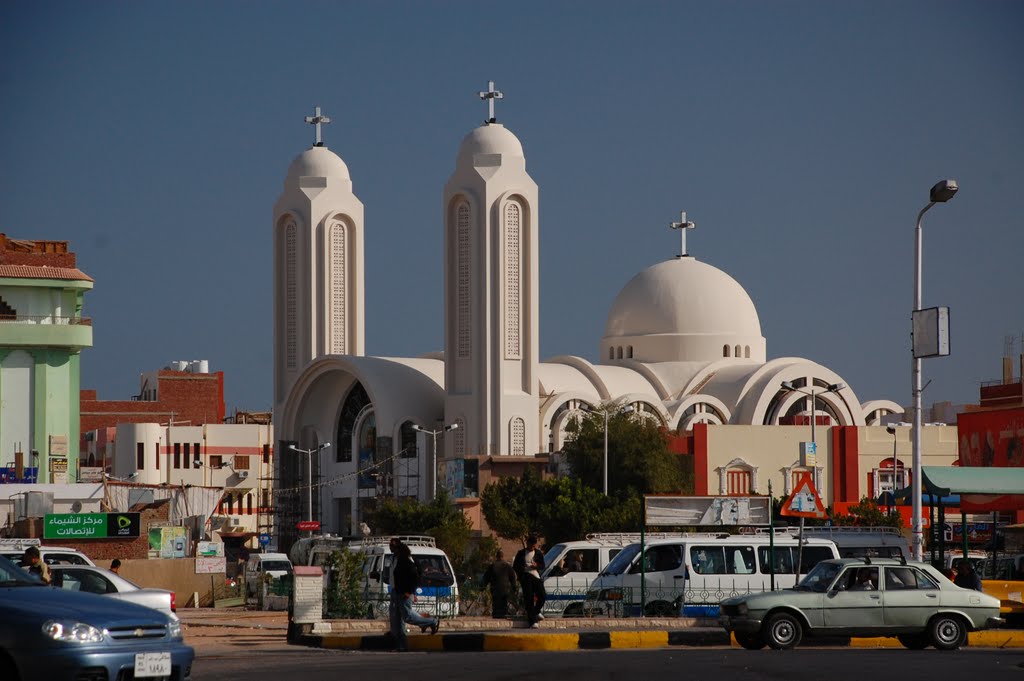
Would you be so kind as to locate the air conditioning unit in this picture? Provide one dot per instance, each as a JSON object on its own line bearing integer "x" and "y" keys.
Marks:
{"x": 234, "y": 522}
{"x": 242, "y": 475}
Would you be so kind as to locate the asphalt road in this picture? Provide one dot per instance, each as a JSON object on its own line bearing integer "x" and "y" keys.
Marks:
{"x": 614, "y": 665}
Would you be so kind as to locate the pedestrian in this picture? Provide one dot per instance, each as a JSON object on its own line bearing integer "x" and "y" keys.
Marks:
{"x": 115, "y": 566}
{"x": 966, "y": 577}
{"x": 528, "y": 565}
{"x": 501, "y": 579}
{"x": 33, "y": 562}
{"x": 406, "y": 581}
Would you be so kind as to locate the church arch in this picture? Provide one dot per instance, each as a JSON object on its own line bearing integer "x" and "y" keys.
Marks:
{"x": 356, "y": 401}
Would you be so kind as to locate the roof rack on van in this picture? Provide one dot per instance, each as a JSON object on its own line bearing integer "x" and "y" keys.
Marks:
{"x": 830, "y": 529}
{"x": 408, "y": 539}
{"x": 19, "y": 543}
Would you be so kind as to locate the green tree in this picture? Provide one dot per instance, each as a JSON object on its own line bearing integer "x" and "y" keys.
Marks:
{"x": 866, "y": 513}
{"x": 345, "y": 593}
{"x": 639, "y": 460}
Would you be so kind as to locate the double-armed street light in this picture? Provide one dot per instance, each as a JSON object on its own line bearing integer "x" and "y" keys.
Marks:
{"x": 309, "y": 471}
{"x": 606, "y": 412}
{"x": 433, "y": 434}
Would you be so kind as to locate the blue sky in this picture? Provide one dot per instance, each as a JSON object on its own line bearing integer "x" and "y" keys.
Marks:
{"x": 801, "y": 137}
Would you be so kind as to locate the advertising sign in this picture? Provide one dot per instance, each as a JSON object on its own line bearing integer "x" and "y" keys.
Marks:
{"x": 307, "y": 525}
{"x": 90, "y": 525}
{"x": 59, "y": 471}
{"x": 90, "y": 474}
{"x": 207, "y": 565}
{"x": 209, "y": 549}
{"x": 991, "y": 438}
{"x": 666, "y": 511}
{"x": 167, "y": 542}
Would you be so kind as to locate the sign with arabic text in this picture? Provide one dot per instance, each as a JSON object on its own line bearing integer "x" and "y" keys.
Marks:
{"x": 90, "y": 525}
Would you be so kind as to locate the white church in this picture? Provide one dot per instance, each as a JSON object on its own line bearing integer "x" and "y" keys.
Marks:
{"x": 682, "y": 345}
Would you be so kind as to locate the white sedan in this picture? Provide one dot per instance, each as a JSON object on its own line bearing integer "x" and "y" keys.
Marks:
{"x": 101, "y": 581}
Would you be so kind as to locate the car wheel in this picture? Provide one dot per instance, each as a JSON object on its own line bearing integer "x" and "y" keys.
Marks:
{"x": 913, "y": 641}
{"x": 783, "y": 631}
{"x": 659, "y": 609}
{"x": 749, "y": 641}
{"x": 7, "y": 668}
{"x": 947, "y": 632}
{"x": 573, "y": 610}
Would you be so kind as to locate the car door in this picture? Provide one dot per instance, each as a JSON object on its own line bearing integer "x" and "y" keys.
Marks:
{"x": 911, "y": 597}
{"x": 855, "y": 603}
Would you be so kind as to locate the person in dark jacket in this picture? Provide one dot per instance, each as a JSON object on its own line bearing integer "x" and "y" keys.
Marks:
{"x": 406, "y": 580}
{"x": 528, "y": 565}
{"x": 501, "y": 578}
{"x": 966, "y": 577}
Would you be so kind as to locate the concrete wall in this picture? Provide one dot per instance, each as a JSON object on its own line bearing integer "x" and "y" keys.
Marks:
{"x": 177, "y": 575}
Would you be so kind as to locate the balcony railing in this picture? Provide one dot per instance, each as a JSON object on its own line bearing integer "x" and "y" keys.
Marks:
{"x": 45, "y": 319}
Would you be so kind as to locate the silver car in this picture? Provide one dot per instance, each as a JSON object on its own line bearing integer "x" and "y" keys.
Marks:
{"x": 859, "y": 597}
{"x": 97, "y": 580}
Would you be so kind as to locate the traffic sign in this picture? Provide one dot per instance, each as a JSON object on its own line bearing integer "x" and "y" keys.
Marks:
{"x": 307, "y": 525}
{"x": 804, "y": 502}
{"x": 264, "y": 539}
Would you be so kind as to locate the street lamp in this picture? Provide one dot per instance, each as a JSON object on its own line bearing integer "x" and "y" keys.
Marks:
{"x": 433, "y": 434}
{"x": 813, "y": 394}
{"x": 607, "y": 413}
{"x": 309, "y": 471}
{"x": 941, "y": 192}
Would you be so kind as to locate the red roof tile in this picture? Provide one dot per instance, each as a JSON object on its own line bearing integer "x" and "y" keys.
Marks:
{"x": 43, "y": 272}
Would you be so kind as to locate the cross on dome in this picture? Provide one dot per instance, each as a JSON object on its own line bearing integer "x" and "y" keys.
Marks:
{"x": 683, "y": 225}
{"x": 489, "y": 96}
{"x": 315, "y": 120}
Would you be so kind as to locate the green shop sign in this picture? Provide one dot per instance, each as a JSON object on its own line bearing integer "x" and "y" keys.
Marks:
{"x": 90, "y": 525}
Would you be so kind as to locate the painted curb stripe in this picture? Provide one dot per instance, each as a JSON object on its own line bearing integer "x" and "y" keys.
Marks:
{"x": 639, "y": 639}
{"x": 494, "y": 642}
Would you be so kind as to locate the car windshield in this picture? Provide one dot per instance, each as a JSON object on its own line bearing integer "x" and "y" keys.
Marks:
{"x": 550, "y": 557}
{"x": 434, "y": 570}
{"x": 819, "y": 578}
{"x": 622, "y": 560}
{"x": 12, "y": 575}
{"x": 277, "y": 566}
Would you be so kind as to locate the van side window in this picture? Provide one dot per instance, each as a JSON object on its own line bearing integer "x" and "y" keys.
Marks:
{"x": 385, "y": 574}
{"x": 813, "y": 555}
{"x": 740, "y": 560}
{"x": 784, "y": 560}
{"x": 663, "y": 558}
{"x": 708, "y": 560}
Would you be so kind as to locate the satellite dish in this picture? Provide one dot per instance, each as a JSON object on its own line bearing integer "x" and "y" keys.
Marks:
{"x": 76, "y": 507}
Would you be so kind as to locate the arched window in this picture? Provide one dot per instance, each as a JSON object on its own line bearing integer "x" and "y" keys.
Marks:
{"x": 737, "y": 478}
{"x": 629, "y": 351}
{"x": 408, "y": 449}
{"x": 517, "y": 437}
{"x": 463, "y": 284}
{"x": 611, "y": 352}
{"x": 513, "y": 269}
{"x": 725, "y": 351}
{"x": 338, "y": 274}
{"x": 739, "y": 351}
{"x": 619, "y": 352}
{"x": 354, "y": 403}
{"x": 746, "y": 352}
{"x": 291, "y": 343}
{"x": 460, "y": 438}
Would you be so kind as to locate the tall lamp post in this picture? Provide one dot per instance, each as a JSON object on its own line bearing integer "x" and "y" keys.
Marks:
{"x": 607, "y": 414}
{"x": 813, "y": 394}
{"x": 895, "y": 464}
{"x": 433, "y": 449}
{"x": 309, "y": 472}
{"x": 941, "y": 192}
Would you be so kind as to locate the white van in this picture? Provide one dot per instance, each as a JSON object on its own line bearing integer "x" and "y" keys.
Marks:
{"x": 14, "y": 550}
{"x": 690, "y": 575}
{"x": 858, "y": 542}
{"x": 259, "y": 565}
{"x": 438, "y": 594}
{"x": 571, "y": 567}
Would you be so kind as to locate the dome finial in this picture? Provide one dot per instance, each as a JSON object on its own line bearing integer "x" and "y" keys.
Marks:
{"x": 489, "y": 96}
{"x": 682, "y": 226}
{"x": 315, "y": 120}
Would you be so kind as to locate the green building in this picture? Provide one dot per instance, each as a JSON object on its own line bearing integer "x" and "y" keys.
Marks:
{"x": 42, "y": 333}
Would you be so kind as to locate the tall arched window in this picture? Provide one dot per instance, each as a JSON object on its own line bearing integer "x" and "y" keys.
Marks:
{"x": 746, "y": 352}
{"x": 517, "y": 437}
{"x": 513, "y": 284}
{"x": 354, "y": 403}
{"x": 460, "y": 438}
{"x": 619, "y": 352}
{"x": 611, "y": 352}
{"x": 338, "y": 274}
{"x": 291, "y": 343}
{"x": 629, "y": 352}
{"x": 463, "y": 294}
{"x": 725, "y": 351}
{"x": 739, "y": 351}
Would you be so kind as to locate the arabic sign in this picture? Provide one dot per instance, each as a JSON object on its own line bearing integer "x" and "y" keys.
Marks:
{"x": 207, "y": 565}
{"x": 90, "y": 525}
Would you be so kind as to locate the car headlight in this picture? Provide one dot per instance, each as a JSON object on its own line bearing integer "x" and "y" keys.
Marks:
{"x": 174, "y": 629}
{"x": 72, "y": 632}
{"x": 611, "y": 595}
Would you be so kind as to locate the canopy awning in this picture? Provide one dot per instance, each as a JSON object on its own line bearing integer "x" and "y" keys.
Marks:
{"x": 979, "y": 488}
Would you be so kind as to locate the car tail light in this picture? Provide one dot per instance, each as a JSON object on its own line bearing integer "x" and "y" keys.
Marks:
{"x": 174, "y": 602}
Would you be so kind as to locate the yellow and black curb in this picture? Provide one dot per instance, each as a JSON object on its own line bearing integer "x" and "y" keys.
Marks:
{"x": 598, "y": 640}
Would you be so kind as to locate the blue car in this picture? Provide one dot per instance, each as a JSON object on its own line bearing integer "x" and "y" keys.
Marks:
{"x": 48, "y": 633}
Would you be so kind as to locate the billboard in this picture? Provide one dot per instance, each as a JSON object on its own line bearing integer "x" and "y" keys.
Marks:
{"x": 991, "y": 438}
{"x": 716, "y": 511}
{"x": 90, "y": 525}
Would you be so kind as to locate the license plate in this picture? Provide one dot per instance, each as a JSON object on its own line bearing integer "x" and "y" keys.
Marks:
{"x": 148, "y": 665}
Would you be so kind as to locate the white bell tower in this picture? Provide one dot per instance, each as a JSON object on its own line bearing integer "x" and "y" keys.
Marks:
{"x": 318, "y": 264}
{"x": 491, "y": 296}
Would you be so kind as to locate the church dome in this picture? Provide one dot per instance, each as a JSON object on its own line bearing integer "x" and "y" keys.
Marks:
{"x": 317, "y": 162}
{"x": 683, "y": 310}
{"x": 492, "y": 138}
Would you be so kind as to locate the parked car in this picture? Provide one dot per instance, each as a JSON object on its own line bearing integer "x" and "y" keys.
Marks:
{"x": 259, "y": 565}
{"x": 48, "y": 633}
{"x": 97, "y": 580}
{"x": 51, "y": 555}
{"x": 860, "y": 597}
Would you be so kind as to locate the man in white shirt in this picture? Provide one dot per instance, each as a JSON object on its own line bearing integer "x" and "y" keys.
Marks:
{"x": 528, "y": 565}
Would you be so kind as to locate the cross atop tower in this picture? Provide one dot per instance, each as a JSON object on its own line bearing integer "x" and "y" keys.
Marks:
{"x": 683, "y": 225}
{"x": 316, "y": 119}
{"x": 490, "y": 95}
